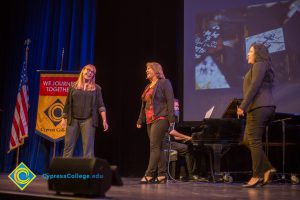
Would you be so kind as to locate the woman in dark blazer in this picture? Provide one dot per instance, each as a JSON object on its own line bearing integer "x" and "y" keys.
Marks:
{"x": 157, "y": 112}
{"x": 260, "y": 108}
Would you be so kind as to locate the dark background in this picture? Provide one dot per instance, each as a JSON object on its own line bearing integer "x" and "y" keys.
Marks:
{"x": 129, "y": 34}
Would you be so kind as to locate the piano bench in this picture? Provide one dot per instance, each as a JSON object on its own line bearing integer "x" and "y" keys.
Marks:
{"x": 179, "y": 167}
{"x": 173, "y": 156}
{"x": 176, "y": 162}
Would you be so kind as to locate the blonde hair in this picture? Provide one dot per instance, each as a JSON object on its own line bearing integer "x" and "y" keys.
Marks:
{"x": 79, "y": 84}
{"x": 157, "y": 68}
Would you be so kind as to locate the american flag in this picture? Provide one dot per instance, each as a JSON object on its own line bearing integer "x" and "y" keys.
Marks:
{"x": 19, "y": 129}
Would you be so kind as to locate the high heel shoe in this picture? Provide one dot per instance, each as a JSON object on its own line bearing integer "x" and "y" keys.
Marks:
{"x": 161, "y": 181}
{"x": 147, "y": 180}
{"x": 259, "y": 181}
{"x": 268, "y": 176}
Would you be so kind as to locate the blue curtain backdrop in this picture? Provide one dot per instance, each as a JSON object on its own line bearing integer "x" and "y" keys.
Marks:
{"x": 52, "y": 26}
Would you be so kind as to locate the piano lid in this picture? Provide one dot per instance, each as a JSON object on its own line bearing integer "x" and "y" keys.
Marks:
{"x": 230, "y": 111}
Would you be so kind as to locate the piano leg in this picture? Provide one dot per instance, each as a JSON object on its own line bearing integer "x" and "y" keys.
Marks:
{"x": 216, "y": 173}
{"x": 283, "y": 174}
{"x": 283, "y": 178}
{"x": 217, "y": 148}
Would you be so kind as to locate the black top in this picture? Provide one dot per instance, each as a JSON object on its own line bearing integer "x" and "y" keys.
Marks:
{"x": 82, "y": 104}
{"x": 163, "y": 102}
{"x": 97, "y": 105}
{"x": 257, "y": 87}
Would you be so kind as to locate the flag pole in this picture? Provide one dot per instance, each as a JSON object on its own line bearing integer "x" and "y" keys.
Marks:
{"x": 54, "y": 149}
{"x": 61, "y": 68}
{"x": 62, "y": 59}
{"x": 17, "y": 159}
{"x": 27, "y": 42}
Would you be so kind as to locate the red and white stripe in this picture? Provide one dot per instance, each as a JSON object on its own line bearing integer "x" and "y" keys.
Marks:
{"x": 19, "y": 129}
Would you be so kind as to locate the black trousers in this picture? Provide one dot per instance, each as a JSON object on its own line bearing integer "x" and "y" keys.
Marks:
{"x": 256, "y": 122}
{"x": 157, "y": 161}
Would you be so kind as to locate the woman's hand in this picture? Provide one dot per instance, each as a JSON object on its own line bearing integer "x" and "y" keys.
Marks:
{"x": 182, "y": 138}
{"x": 105, "y": 125}
{"x": 187, "y": 138}
{"x": 138, "y": 125}
{"x": 239, "y": 112}
{"x": 63, "y": 122}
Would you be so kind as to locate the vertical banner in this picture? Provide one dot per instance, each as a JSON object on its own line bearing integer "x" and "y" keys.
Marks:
{"x": 52, "y": 96}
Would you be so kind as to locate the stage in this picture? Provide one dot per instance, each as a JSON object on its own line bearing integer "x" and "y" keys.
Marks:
{"x": 38, "y": 189}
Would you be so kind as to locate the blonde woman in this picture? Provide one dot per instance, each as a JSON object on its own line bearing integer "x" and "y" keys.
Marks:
{"x": 157, "y": 111}
{"x": 81, "y": 112}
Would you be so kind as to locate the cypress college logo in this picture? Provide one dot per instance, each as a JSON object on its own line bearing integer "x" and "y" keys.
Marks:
{"x": 54, "y": 112}
{"x": 22, "y": 176}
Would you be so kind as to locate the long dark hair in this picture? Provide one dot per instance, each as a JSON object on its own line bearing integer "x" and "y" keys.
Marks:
{"x": 261, "y": 54}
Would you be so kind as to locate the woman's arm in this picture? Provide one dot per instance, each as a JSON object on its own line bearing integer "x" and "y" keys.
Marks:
{"x": 104, "y": 122}
{"x": 169, "y": 95}
{"x": 101, "y": 108}
{"x": 258, "y": 73}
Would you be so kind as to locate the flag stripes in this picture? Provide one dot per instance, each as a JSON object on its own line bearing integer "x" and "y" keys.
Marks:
{"x": 19, "y": 129}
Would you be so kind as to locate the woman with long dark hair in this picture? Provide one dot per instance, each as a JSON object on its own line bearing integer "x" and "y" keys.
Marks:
{"x": 259, "y": 106}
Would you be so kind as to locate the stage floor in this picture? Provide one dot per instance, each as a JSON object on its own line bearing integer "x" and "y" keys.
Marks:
{"x": 132, "y": 190}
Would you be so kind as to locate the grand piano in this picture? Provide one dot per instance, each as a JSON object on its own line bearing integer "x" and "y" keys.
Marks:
{"x": 220, "y": 134}
{"x": 217, "y": 134}
{"x": 223, "y": 133}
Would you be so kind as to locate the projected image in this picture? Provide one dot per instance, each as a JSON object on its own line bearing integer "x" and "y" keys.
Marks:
{"x": 208, "y": 75}
{"x": 272, "y": 39}
{"x": 217, "y": 38}
{"x": 218, "y": 50}
{"x": 222, "y": 40}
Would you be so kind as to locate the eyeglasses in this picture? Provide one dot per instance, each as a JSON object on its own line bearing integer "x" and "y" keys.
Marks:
{"x": 90, "y": 71}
